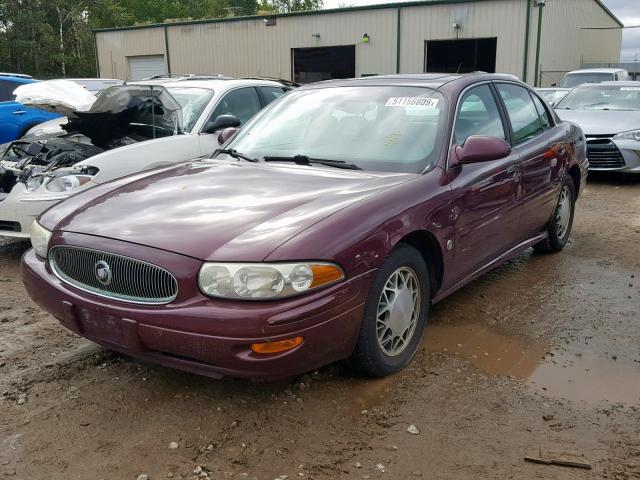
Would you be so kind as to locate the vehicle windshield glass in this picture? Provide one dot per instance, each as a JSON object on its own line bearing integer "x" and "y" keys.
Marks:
{"x": 575, "y": 79}
{"x": 601, "y": 97}
{"x": 384, "y": 128}
{"x": 553, "y": 96}
{"x": 193, "y": 101}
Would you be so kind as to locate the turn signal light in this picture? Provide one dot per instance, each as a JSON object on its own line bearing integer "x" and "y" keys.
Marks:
{"x": 278, "y": 346}
{"x": 324, "y": 274}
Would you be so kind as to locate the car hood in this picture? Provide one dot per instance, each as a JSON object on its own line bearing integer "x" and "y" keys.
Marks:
{"x": 602, "y": 122}
{"x": 76, "y": 103}
{"x": 219, "y": 210}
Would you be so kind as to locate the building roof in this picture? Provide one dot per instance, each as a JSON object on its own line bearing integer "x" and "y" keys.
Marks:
{"x": 321, "y": 12}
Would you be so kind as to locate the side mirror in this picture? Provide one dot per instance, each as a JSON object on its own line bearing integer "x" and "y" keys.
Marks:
{"x": 220, "y": 123}
{"x": 482, "y": 149}
{"x": 226, "y": 134}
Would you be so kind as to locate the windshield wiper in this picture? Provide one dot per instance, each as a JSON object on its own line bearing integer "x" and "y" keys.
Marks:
{"x": 305, "y": 160}
{"x": 233, "y": 153}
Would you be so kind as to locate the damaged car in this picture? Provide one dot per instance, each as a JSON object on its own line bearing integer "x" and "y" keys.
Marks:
{"x": 123, "y": 130}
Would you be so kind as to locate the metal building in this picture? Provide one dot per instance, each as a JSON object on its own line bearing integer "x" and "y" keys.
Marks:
{"x": 536, "y": 40}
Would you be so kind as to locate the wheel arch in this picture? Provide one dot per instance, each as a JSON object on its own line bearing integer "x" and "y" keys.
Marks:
{"x": 574, "y": 173}
{"x": 427, "y": 244}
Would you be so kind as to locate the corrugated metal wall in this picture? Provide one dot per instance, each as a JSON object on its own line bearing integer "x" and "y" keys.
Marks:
{"x": 504, "y": 19}
{"x": 114, "y": 48}
{"x": 249, "y": 47}
{"x": 566, "y": 44}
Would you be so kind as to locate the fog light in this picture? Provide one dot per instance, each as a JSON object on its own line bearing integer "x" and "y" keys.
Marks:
{"x": 278, "y": 346}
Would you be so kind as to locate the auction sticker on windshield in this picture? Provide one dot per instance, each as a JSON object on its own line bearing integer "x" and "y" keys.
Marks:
{"x": 412, "y": 102}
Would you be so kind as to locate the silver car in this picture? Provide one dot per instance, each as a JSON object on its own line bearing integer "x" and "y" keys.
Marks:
{"x": 609, "y": 115}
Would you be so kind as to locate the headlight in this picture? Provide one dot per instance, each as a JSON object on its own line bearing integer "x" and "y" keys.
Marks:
{"x": 67, "y": 183}
{"x": 40, "y": 237}
{"x": 34, "y": 183}
{"x": 632, "y": 135}
{"x": 257, "y": 281}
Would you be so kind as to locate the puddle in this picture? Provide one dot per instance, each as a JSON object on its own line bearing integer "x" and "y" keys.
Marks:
{"x": 489, "y": 350}
{"x": 589, "y": 378}
{"x": 576, "y": 375}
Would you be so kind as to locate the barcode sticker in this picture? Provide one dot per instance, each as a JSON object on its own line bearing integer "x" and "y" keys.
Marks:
{"x": 412, "y": 102}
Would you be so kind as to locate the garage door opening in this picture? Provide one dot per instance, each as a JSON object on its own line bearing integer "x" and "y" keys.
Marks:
{"x": 323, "y": 63}
{"x": 461, "y": 56}
{"x": 145, "y": 66}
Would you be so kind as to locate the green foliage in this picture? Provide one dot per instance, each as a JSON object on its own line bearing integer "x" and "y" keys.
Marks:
{"x": 285, "y": 6}
{"x": 30, "y": 39}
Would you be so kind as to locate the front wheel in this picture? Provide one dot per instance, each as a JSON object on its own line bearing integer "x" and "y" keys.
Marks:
{"x": 395, "y": 314}
{"x": 559, "y": 227}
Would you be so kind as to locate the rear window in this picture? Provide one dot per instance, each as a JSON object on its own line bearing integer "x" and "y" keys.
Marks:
{"x": 575, "y": 79}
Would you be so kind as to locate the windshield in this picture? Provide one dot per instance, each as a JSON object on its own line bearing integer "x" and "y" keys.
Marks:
{"x": 395, "y": 129}
{"x": 575, "y": 79}
{"x": 553, "y": 96}
{"x": 600, "y": 97}
{"x": 193, "y": 101}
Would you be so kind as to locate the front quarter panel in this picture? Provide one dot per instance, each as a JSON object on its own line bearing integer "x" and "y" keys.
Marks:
{"x": 361, "y": 236}
{"x": 147, "y": 155}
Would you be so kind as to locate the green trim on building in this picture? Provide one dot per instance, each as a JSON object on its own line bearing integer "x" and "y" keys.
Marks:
{"x": 536, "y": 80}
{"x": 166, "y": 50}
{"x": 526, "y": 42}
{"x": 398, "y": 27}
{"x": 293, "y": 14}
{"x": 609, "y": 12}
{"x": 95, "y": 51}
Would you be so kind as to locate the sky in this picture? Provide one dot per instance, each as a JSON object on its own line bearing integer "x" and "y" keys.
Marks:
{"x": 628, "y": 11}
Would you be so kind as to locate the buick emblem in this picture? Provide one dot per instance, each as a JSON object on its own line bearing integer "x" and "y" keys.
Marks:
{"x": 103, "y": 273}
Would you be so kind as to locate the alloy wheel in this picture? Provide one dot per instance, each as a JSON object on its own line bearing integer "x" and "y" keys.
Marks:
{"x": 563, "y": 212}
{"x": 398, "y": 311}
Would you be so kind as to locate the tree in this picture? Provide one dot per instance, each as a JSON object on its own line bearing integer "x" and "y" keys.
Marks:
{"x": 285, "y": 6}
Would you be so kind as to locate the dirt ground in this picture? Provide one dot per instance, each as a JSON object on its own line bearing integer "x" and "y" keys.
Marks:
{"x": 542, "y": 353}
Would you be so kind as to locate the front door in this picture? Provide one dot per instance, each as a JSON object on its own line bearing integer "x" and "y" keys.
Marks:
{"x": 242, "y": 103}
{"x": 14, "y": 117}
{"x": 485, "y": 195}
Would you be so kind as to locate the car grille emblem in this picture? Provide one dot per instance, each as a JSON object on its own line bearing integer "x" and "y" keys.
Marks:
{"x": 103, "y": 273}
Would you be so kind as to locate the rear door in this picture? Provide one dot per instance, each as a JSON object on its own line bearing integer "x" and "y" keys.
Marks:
{"x": 485, "y": 193}
{"x": 14, "y": 117}
{"x": 539, "y": 143}
{"x": 270, "y": 93}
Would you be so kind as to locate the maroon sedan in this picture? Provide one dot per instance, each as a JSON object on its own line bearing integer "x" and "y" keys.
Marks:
{"x": 324, "y": 230}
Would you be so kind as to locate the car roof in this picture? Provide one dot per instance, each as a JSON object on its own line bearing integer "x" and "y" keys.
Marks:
{"x": 626, "y": 83}
{"x": 218, "y": 83}
{"x": 15, "y": 75}
{"x": 431, "y": 80}
{"x": 18, "y": 79}
{"x": 597, "y": 70}
{"x": 543, "y": 89}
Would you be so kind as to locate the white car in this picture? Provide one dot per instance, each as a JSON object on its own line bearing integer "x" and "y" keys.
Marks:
{"x": 593, "y": 75}
{"x": 127, "y": 129}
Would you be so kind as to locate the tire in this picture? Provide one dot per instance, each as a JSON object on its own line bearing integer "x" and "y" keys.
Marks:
{"x": 559, "y": 227}
{"x": 376, "y": 353}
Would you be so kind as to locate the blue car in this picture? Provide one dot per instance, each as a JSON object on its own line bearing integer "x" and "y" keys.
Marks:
{"x": 15, "y": 118}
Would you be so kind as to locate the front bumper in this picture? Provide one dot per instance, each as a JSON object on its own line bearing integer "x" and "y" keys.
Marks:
{"x": 630, "y": 155}
{"x": 206, "y": 336}
{"x": 19, "y": 209}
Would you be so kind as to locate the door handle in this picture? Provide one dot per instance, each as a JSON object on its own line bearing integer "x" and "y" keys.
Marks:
{"x": 513, "y": 170}
{"x": 19, "y": 112}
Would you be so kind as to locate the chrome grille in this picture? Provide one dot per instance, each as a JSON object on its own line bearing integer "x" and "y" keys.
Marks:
{"x": 603, "y": 153}
{"x": 123, "y": 278}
